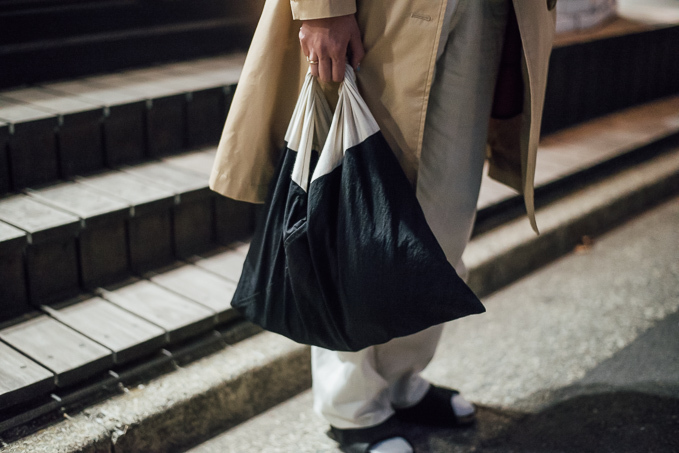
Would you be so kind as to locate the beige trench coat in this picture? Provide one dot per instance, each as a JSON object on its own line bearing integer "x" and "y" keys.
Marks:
{"x": 401, "y": 40}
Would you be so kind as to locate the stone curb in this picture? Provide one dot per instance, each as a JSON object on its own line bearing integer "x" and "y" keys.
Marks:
{"x": 188, "y": 406}
{"x": 512, "y": 250}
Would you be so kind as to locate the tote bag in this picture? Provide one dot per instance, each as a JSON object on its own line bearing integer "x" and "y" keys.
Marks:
{"x": 343, "y": 257}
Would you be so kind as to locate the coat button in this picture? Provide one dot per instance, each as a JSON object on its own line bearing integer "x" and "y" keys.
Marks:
{"x": 551, "y": 4}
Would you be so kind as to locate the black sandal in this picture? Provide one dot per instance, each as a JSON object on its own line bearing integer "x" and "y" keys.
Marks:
{"x": 361, "y": 440}
{"x": 435, "y": 409}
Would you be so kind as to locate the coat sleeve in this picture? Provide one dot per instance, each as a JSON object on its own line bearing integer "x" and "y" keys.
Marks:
{"x": 318, "y": 9}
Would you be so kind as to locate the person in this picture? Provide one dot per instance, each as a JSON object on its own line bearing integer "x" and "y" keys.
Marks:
{"x": 451, "y": 83}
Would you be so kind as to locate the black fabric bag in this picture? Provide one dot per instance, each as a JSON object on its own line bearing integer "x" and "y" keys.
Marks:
{"x": 344, "y": 258}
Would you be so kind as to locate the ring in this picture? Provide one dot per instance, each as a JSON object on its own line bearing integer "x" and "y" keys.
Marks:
{"x": 310, "y": 61}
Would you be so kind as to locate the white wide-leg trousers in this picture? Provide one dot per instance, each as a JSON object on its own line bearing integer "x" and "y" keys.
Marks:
{"x": 360, "y": 389}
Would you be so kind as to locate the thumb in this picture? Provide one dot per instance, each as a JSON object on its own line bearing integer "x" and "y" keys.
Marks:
{"x": 357, "y": 50}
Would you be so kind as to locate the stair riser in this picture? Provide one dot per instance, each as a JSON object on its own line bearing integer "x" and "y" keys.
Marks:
{"x": 166, "y": 120}
{"x": 5, "y": 182}
{"x": 150, "y": 241}
{"x": 13, "y": 295}
{"x": 80, "y": 143}
{"x": 222, "y": 407}
{"x": 206, "y": 115}
{"x": 103, "y": 254}
{"x": 52, "y": 271}
{"x": 33, "y": 153}
{"x": 621, "y": 72}
{"x": 193, "y": 227}
{"x": 234, "y": 220}
{"x": 43, "y": 151}
{"x": 124, "y": 134}
{"x": 510, "y": 266}
{"x": 107, "y": 251}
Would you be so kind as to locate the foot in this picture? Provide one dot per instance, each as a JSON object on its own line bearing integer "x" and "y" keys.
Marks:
{"x": 387, "y": 437}
{"x": 441, "y": 407}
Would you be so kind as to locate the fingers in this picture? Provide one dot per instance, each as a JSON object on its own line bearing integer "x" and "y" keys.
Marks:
{"x": 329, "y": 68}
{"x": 314, "y": 67}
{"x": 357, "y": 50}
{"x": 338, "y": 68}
{"x": 311, "y": 56}
{"x": 325, "y": 69}
{"x": 329, "y": 42}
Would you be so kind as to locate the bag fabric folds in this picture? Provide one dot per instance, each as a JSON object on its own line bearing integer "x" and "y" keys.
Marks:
{"x": 342, "y": 256}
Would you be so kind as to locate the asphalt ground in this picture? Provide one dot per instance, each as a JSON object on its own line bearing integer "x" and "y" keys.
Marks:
{"x": 580, "y": 356}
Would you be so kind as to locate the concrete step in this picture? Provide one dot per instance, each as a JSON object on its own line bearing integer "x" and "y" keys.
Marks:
{"x": 98, "y": 230}
{"x": 621, "y": 63}
{"x": 172, "y": 411}
{"x": 582, "y": 355}
{"x": 69, "y": 352}
{"x": 62, "y": 129}
{"x": 577, "y": 156}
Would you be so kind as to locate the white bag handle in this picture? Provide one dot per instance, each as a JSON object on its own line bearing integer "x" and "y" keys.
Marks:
{"x": 352, "y": 123}
{"x": 310, "y": 120}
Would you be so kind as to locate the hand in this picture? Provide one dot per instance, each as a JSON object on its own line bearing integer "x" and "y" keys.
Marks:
{"x": 331, "y": 42}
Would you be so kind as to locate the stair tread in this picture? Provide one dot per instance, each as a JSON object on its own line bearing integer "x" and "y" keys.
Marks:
{"x": 179, "y": 316}
{"x": 227, "y": 264}
{"x": 36, "y": 218}
{"x": 20, "y": 375}
{"x": 80, "y": 200}
{"x": 201, "y": 286}
{"x": 128, "y": 188}
{"x": 167, "y": 176}
{"x": 13, "y": 111}
{"x": 175, "y": 78}
{"x": 10, "y": 233}
{"x": 88, "y": 91}
{"x": 50, "y": 101}
{"x": 115, "y": 328}
{"x": 66, "y": 352}
{"x": 107, "y": 194}
{"x": 112, "y": 119}
{"x": 580, "y": 147}
{"x": 199, "y": 162}
{"x": 130, "y": 321}
{"x": 119, "y": 88}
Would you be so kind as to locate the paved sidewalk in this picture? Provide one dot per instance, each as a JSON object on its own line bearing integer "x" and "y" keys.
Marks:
{"x": 581, "y": 356}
